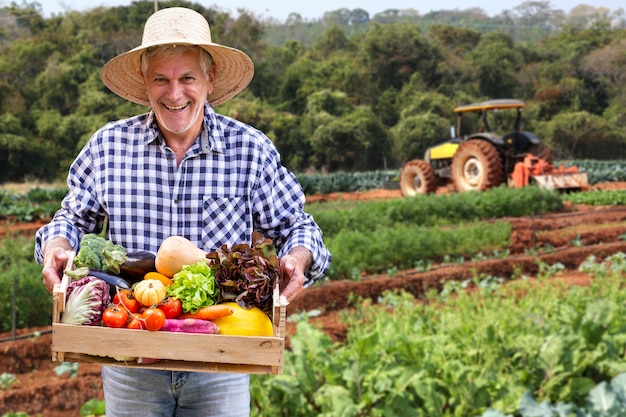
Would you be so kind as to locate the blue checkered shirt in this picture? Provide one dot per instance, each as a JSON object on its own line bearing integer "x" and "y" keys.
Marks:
{"x": 230, "y": 183}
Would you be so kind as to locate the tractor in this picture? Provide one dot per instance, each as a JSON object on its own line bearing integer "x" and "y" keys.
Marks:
{"x": 479, "y": 161}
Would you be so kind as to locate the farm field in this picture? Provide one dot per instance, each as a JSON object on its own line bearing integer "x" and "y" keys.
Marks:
{"x": 40, "y": 391}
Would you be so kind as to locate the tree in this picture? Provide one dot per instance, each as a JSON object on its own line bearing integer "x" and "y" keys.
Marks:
{"x": 606, "y": 65}
{"x": 581, "y": 135}
{"x": 417, "y": 132}
{"x": 345, "y": 138}
{"x": 394, "y": 52}
{"x": 495, "y": 66}
{"x": 333, "y": 40}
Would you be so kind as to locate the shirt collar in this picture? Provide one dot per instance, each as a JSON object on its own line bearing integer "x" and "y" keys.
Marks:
{"x": 211, "y": 138}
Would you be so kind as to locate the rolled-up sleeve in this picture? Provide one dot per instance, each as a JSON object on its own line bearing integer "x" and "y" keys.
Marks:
{"x": 79, "y": 212}
{"x": 279, "y": 207}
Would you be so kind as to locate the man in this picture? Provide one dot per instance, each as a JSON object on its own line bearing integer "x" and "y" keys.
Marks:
{"x": 181, "y": 170}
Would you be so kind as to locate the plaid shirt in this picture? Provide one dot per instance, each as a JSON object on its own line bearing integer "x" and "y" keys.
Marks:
{"x": 229, "y": 183}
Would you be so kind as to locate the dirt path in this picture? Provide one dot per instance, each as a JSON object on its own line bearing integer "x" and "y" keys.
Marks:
{"x": 572, "y": 236}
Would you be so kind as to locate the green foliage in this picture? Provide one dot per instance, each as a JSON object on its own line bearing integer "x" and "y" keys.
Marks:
{"x": 69, "y": 368}
{"x": 7, "y": 380}
{"x": 601, "y": 171}
{"x": 433, "y": 210}
{"x": 574, "y": 135}
{"x": 93, "y": 408}
{"x": 362, "y": 138}
{"x": 414, "y": 134}
{"x": 36, "y": 204}
{"x": 599, "y": 198}
{"x": 459, "y": 356}
{"x": 344, "y": 181}
{"x": 382, "y": 66}
{"x": 404, "y": 246}
{"x": 17, "y": 268}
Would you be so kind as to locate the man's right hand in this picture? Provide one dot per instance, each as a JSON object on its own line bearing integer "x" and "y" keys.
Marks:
{"x": 54, "y": 261}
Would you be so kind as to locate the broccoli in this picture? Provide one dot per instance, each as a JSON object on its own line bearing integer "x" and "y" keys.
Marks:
{"x": 98, "y": 253}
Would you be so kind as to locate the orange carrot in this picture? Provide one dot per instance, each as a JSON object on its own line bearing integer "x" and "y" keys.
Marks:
{"x": 213, "y": 312}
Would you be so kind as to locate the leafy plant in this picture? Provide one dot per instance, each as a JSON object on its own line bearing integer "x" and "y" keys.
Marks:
{"x": 93, "y": 408}
{"x": 606, "y": 400}
{"x": 7, "y": 380}
{"x": 18, "y": 268}
{"x": 577, "y": 242}
{"x": 69, "y": 368}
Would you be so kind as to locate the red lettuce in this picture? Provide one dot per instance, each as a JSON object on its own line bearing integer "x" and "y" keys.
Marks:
{"x": 245, "y": 274}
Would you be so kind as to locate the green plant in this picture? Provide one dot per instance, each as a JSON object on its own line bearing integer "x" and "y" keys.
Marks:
{"x": 7, "y": 380}
{"x": 93, "y": 408}
{"x": 69, "y": 368}
{"x": 548, "y": 271}
{"x": 577, "y": 242}
{"x": 605, "y": 400}
{"x": 19, "y": 270}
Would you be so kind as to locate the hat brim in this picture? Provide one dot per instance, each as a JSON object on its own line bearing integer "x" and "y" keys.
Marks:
{"x": 233, "y": 72}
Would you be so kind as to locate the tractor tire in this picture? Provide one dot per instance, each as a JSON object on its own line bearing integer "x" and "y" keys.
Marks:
{"x": 541, "y": 151}
{"x": 417, "y": 177}
{"x": 476, "y": 166}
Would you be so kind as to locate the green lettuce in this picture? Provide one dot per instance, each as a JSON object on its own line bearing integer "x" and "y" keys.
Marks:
{"x": 195, "y": 286}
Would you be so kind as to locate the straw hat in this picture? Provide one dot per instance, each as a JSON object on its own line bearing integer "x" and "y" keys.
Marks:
{"x": 178, "y": 25}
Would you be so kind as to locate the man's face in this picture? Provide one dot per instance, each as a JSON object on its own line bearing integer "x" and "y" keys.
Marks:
{"x": 177, "y": 89}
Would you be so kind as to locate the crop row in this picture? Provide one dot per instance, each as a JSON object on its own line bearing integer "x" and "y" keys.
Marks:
{"x": 377, "y": 236}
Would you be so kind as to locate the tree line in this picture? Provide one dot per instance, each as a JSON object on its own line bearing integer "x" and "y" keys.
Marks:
{"x": 346, "y": 92}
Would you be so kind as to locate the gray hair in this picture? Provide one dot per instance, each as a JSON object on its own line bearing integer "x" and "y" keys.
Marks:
{"x": 175, "y": 51}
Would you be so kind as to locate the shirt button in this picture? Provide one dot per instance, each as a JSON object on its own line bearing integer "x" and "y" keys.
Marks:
{"x": 176, "y": 201}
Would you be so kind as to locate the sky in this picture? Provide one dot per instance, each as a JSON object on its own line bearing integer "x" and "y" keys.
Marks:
{"x": 280, "y": 9}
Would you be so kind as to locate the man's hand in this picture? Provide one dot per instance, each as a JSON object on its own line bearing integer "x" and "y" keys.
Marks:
{"x": 54, "y": 261}
{"x": 293, "y": 266}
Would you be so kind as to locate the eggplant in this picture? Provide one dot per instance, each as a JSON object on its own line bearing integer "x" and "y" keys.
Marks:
{"x": 137, "y": 265}
{"x": 112, "y": 280}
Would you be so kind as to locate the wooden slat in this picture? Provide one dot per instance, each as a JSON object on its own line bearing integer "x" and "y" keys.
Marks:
{"x": 97, "y": 340}
{"x": 175, "y": 365}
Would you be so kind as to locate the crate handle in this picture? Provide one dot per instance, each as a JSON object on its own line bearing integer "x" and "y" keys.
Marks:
{"x": 60, "y": 289}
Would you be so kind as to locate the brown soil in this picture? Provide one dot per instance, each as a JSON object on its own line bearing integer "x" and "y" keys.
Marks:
{"x": 40, "y": 391}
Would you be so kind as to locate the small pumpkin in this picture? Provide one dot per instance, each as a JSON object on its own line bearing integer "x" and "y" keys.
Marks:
{"x": 245, "y": 322}
{"x": 149, "y": 292}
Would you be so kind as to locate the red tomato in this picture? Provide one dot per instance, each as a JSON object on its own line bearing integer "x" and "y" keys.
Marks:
{"x": 115, "y": 316}
{"x": 136, "y": 323}
{"x": 126, "y": 298}
{"x": 172, "y": 307}
{"x": 154, "y": 318}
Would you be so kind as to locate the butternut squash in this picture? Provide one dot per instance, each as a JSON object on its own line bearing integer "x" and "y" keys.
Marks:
{"x": 244, "y": 322}
{"x": 174, "y": 253}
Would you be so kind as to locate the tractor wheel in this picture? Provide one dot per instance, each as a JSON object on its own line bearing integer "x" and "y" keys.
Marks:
{"x": 417, "y": 177}
{"x": 541, "y": 151}
{"x": 476, "y": 166}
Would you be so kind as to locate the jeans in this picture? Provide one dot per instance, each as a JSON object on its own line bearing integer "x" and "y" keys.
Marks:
{"x": 133, "y": 392}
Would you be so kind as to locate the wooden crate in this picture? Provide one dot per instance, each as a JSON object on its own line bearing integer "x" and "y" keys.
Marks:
{"x": 175, "y": 351}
